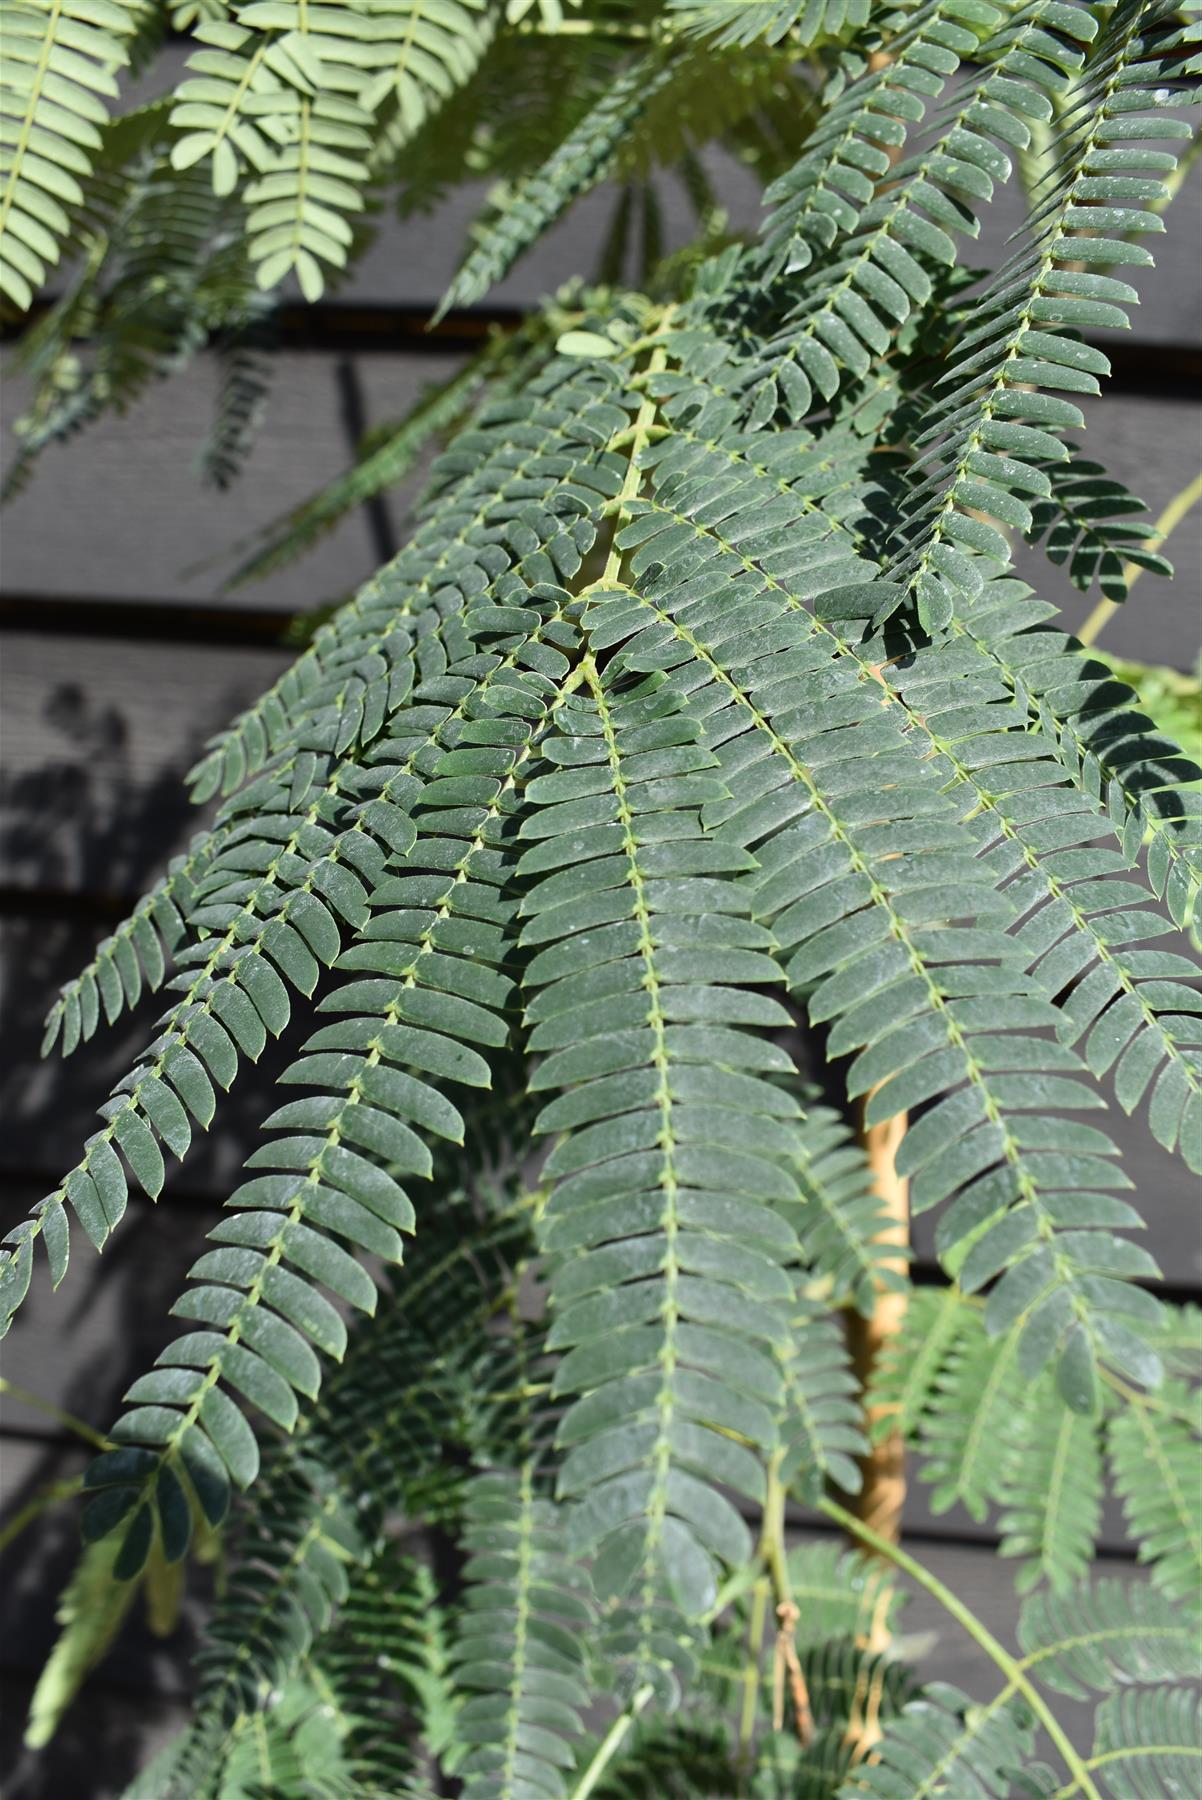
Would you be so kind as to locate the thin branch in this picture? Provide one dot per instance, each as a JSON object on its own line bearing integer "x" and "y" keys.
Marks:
{"x": 1168, "y": 521}
{"x": 1016, "y": 1677}
{"x": 611, "y": 1743}
{"x": 79, "y": 1427}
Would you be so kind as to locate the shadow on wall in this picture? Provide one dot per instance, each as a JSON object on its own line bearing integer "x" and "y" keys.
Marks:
{"x": 83, "y": 817}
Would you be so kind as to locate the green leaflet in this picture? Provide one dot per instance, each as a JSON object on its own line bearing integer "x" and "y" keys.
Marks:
{"x": 1154, "y": 1464}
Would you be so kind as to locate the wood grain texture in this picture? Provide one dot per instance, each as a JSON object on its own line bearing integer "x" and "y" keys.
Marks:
{"x": 120, "y": 512}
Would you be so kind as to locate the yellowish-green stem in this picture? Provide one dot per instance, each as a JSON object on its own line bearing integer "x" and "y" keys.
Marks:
{"x": 1168, "y": 521}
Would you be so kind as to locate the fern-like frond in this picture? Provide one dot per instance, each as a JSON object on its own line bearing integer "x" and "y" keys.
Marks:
{"x": 1155, "y": 1453}
{"x": 347, "y": 1724}
{"x": 1111, "y": 1631}
{"x": 412, "y": 1380}
{"x": 1052, "y": 1493}
{"x": 859, "y": 137}
{"x": 282, "y": 888}
{"x": 742, "y": 22}
{"x": 671, "y": 1760}
{"x": 160, "y": 266}
{"x": 385, "y": 1672}
{"x": 583, "y": 159}
{"x": 906, "y": 1380}
{"x": 1012, "y": 366}
{"x": 840, "y": 1593}
{"x": 821, "y": 1420}
{"x": 841, "y": 1214}
{"x": 520, "y": 1646}
{"x": 426, "y": 1004}
{"x": 861, "y": 905}
{"x": 59, "y": 67}
{"x": 1148, "y": 1742}
{"x": 1129, "y": 1008}
{"x": 132, "y": 960}
{"x": 671, "y": 1301}
{"x": 848, "y": 312}
{"x": 976, "y": 1419}
{"x": 245, "y": 375}
{"x": 553, "y": 434}
{"x": 979, "y": 1750}
{"x": 1094, "y": 525}
{"x": 1118, "y": 753}
{"x": 1095, "y": 1638}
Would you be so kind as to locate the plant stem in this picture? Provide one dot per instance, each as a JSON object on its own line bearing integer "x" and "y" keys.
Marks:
{"x": 33, "y": 1509}
{"x": 78, "y": 1426}
{"x": 1168, "y": 521}
{"x": 1010, "y": 1667}
{"x": 610, "y": 1744}
{"x": 883, "y": 1491}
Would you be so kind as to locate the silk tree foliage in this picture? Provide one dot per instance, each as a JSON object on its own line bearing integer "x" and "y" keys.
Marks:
{"x": 701, "y": 721}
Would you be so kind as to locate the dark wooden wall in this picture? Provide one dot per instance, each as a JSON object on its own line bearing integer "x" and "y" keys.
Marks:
{"x": 120, "y": 655}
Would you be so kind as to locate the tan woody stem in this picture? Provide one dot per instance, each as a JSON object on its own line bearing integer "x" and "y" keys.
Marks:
{"x": 882, "y": 1495}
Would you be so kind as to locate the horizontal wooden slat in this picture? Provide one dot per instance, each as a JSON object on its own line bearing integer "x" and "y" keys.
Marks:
{"x": 117, "y": 514}
{"x": 120, "y": 513}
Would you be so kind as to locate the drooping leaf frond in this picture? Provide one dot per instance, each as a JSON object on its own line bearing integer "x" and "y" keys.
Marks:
{"x": 1008, "y": 1449}
{"x": 664, "y": 1179}
{"x": 1095, "y": 526}
{"x": 1073, "y": 1646}
{"x": 981, "y": 1749}
{"x": 841, "y": 1215}
{"x": 820, "y": 1423}
{"x": 1014, "y": 364}
{"x": 1053, "y": 1495}
{"x": 421, "y": 1377}
{"x": 520, "y": 1649}
{"x": 1157, "y": 1471}
{"x": 59, "y": 68}
{"x": 579, "y": 162}
{"x": 744, "y": 22}
{"x": 1148, "y": 1742}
